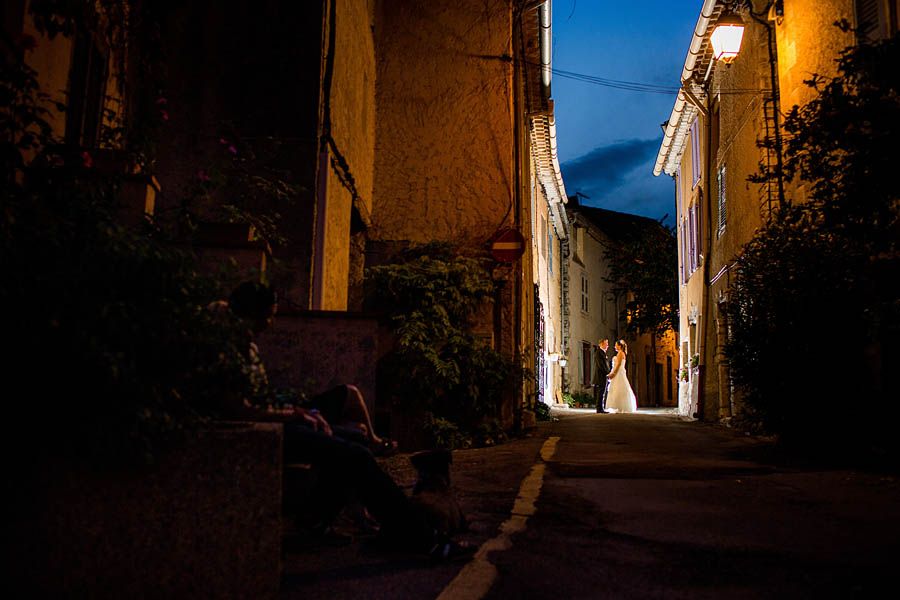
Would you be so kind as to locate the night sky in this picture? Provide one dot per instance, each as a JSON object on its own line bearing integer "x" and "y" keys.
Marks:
{"x": 609, "y": 137}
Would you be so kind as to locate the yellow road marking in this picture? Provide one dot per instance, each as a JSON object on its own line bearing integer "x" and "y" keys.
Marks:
{"x": 476, "y": 578}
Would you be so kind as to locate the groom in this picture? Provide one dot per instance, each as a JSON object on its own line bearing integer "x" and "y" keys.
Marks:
{"x": 601, "y": 370}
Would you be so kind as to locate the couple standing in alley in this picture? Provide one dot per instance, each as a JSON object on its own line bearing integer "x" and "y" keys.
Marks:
{"x": 611, "y": 387}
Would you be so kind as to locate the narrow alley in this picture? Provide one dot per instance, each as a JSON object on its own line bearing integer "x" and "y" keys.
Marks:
{"x": 638, "y": 506}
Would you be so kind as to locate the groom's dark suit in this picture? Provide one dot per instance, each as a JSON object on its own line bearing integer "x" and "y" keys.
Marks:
{"x": 601, "y": 370}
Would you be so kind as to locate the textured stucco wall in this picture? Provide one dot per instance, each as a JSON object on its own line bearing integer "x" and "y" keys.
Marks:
{"x": 352, "y": 107}
{"x": 548, "y": 280}
{"x": 312, "y": 352}
{"x": 589, "y": 326}
{"x": 444, "y": 132}
{"x": 741, "y": 125}
{"x": 808, "y": 44}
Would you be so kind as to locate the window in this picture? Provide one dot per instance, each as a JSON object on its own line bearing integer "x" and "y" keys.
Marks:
{"x": 695, "y": 152}
{"x": 691, "y": 237}
{"x": 669, "y": 378}
{"x": 550, "y": 250}
{"x": 586, "y": 363}
{"x": 544, "y": 235}
{"x": 876, "y": 19}
{"x": 533, "y": 205}
{"x": 697, "y": 236}
{"x": 87, "y": 89}
{"x": 579, "y": 243}
{"x": 585, "y": 294}
{"x": 682, "y": 240}
{"x": 722, "y": 213}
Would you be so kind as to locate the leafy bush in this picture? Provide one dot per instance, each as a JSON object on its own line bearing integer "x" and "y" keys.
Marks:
{"x": 438, "y": 367}
{"x": 582, "y": 398}
{"x": 111, "y": 346}
{"x": 814, "y": 312}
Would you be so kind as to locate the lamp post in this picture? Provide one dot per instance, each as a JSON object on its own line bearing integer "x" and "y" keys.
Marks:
{"x": 727, "y": 36}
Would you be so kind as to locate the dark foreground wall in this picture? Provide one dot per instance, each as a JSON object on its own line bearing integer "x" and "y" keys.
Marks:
{"x": 205, "y": 522}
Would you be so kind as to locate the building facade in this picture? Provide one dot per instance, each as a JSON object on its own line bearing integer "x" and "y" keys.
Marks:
{"x": 594, "y": 308}
{"x": 725, "y": 125}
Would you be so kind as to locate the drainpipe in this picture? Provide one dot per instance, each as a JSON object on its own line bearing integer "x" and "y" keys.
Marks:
{"x": 546, "y": 13}
{"x": 707, "y": 248}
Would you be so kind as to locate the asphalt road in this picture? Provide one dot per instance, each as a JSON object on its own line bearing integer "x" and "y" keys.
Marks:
{"x": 639, "y": 506}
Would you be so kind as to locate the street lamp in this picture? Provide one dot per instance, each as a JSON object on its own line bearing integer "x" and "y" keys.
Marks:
{"x": 726, "y": 37}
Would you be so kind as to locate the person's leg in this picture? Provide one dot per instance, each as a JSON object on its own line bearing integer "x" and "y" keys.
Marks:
{"x": 331, "y": 491}
{"x": 356, "y": 411}
{"x": 345, "y": 407}
{"x": 346, "y": 469}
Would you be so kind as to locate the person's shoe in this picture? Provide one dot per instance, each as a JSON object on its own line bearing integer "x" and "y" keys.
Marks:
{"x": 385, "y": 449}
{"x": 603, "y": 412}
{"x": 450, "y": 551}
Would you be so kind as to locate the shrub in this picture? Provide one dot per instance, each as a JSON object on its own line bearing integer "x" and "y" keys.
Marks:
{"x": 438, "y": 367}
{"x": 813, "y": 310}
{"x": 110, "y": 345}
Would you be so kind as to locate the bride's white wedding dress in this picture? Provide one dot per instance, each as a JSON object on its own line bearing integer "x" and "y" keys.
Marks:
{"x": 620, "y": 396}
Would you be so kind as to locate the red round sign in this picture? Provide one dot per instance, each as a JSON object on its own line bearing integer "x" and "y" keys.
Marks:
{"x": 508, "y": 247}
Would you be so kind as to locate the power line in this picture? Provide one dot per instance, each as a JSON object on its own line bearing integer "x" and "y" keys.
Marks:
{"x": 616, "y": 84}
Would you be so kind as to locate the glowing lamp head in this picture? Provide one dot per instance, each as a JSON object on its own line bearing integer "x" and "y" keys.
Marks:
{"x": 726, "y": 37}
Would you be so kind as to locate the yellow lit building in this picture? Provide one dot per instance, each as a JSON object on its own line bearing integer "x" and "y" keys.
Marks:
{"x": 711, "y": 147}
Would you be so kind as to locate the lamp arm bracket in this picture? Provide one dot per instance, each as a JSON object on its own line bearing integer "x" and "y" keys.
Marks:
{"x": 694, "y": 100}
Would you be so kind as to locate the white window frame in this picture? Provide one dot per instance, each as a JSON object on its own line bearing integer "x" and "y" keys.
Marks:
{"x": 695, "y": 152}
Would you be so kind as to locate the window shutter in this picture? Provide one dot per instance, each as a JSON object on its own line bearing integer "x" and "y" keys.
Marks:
{"x": 699, "y": 229}
{"x": 692, "y": 237}
{"x": 868, "y": 22}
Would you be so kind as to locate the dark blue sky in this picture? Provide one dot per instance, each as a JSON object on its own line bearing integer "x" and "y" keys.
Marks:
{"x": 608, "y": 138}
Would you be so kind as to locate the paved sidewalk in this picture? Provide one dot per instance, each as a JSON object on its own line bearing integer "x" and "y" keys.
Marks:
{"x": 486, "y": 481}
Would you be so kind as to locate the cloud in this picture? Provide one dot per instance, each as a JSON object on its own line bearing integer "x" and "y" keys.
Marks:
{"x": 619, "y": 177}
{"x": 607, "y": 166}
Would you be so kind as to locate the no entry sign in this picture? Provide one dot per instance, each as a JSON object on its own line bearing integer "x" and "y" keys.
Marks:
{"x": 508, "y": 247}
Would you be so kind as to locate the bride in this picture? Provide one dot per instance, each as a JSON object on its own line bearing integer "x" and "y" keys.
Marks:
{"x": 620, "y": 395}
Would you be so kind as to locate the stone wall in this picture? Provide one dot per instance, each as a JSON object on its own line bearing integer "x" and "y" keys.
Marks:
{"x": 315, "y": 350}
{"x": 204, "y": 522}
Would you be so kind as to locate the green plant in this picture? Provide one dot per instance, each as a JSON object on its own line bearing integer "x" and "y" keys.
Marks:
{"x": 573, "y": 400}
{"x": 112, "y": 346}
{"x": 438, "y": 366}
{"x": 812, "y": 286}
{"x": 542, "y": 411}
